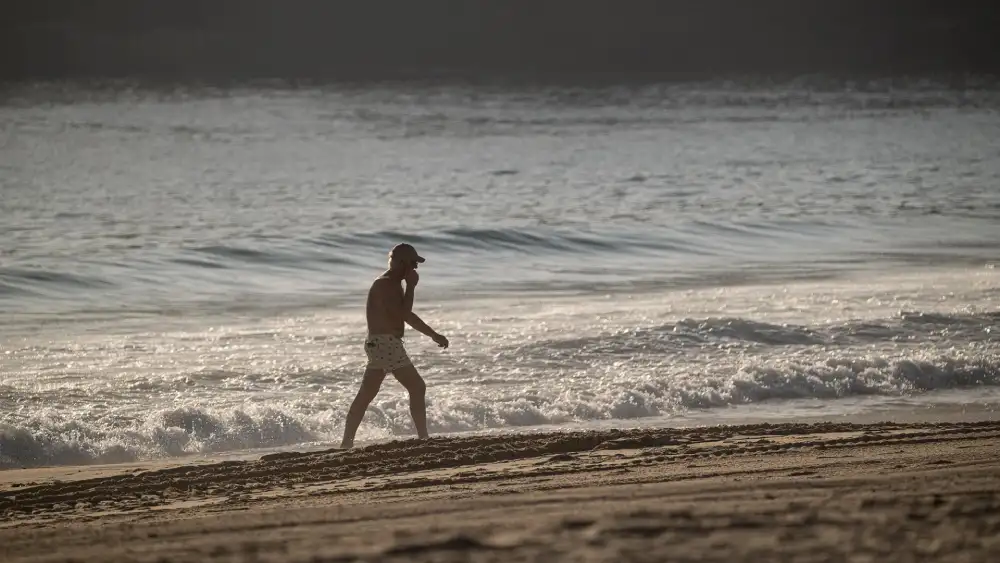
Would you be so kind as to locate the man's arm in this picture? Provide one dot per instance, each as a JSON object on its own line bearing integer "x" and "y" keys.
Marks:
{"x": 420, "y": 326}
{"x": 408, "y": 301}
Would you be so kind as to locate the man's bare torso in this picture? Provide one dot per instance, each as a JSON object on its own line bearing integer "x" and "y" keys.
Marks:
{"x": 381, "y": 319}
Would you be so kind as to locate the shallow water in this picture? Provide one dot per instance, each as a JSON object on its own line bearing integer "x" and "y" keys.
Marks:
{"x": 181, "y": 270}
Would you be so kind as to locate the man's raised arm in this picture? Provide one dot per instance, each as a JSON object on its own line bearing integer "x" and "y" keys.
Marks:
{"x": 408, "y": 297}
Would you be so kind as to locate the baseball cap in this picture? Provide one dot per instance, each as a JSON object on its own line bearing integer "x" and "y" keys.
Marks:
{"x": 405, "y": 252}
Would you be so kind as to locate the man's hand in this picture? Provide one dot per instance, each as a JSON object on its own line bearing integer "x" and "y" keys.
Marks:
{"x": 411, "y": 277}
{"x": 440, "y": 340}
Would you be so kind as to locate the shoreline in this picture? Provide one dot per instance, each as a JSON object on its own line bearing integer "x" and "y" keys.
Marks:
{"x": 946, "y": 406}
{"x": 763, "y": 490}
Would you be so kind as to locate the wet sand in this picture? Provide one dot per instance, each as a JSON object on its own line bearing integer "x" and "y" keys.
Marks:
{"x": 783, "y": 492}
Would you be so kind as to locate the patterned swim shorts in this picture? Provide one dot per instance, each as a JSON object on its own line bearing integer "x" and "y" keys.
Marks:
{"x": 386, "y": 352}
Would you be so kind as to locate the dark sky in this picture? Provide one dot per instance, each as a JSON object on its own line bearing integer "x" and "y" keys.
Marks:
{"x": 331, "y": 39}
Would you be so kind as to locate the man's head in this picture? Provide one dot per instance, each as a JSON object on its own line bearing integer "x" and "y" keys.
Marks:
{"x": 403, "y": 257}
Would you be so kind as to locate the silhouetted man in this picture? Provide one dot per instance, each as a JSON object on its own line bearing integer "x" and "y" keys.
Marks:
{"x": 387, "y": 309}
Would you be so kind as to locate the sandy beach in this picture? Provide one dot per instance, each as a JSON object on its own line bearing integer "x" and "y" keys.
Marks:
{"x": 770, "y": 492}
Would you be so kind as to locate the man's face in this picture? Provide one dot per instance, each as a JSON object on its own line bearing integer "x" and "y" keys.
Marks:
{"x": 406, "y": 265}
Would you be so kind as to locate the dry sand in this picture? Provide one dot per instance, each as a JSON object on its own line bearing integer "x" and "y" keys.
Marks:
{"x": 787, "y": 492}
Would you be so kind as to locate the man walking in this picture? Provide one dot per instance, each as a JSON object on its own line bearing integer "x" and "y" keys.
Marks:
{"x": 387, "y": 309}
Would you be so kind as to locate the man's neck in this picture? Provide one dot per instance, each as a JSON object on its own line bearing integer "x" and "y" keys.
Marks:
{"x": 395, "y": 275}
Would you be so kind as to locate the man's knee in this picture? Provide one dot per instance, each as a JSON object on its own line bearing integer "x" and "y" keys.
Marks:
{"x": 417, "y": 387}
{"x": 412, "y": 381}
{"x": 372, "y": 381}
{"x": 361, "y": 401}
{"x": 365, "y": 396}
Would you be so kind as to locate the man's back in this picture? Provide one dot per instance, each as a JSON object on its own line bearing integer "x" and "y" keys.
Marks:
{"x": 381, "y": 308}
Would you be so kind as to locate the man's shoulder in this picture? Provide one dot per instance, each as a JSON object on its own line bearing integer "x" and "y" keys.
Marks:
{"x": 384, "y": 282}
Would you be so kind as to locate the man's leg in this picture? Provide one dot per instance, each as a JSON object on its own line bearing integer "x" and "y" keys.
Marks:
{"x": 413, "y": 383}
{"x": 370, "y": 385}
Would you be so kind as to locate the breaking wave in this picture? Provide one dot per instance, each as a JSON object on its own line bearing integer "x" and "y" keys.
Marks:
{"x": 50, "y": 439}
{"x": 908, "y": 326}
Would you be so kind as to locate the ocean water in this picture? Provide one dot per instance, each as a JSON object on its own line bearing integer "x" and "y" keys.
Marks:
{"x": 183, "y": 268}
